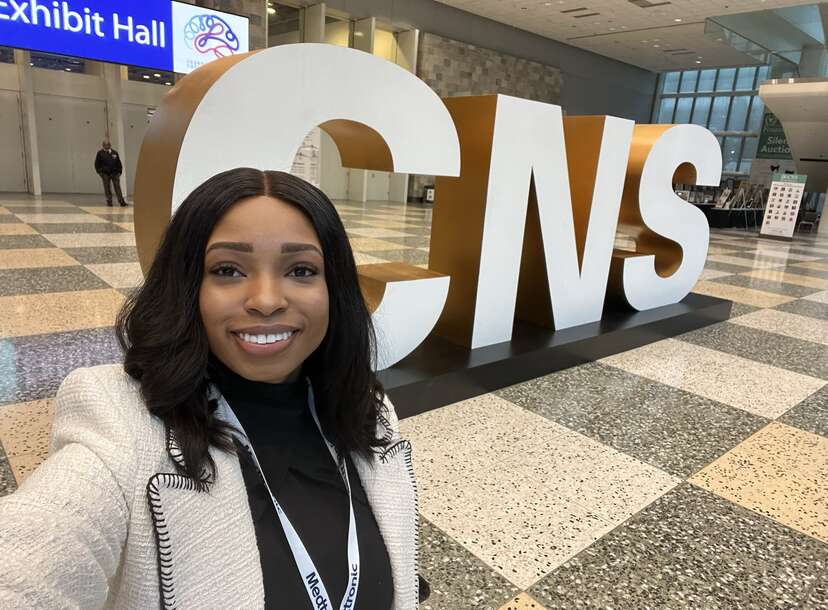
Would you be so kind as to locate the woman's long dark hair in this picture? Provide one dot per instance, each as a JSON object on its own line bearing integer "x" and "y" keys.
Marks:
{"x": 165, "y": 343}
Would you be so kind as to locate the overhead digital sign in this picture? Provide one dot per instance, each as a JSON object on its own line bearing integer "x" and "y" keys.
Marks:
{"x": 158, "y": 34}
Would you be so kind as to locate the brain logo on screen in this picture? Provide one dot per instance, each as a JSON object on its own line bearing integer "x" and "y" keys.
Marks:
{"x": 210, "y": 34}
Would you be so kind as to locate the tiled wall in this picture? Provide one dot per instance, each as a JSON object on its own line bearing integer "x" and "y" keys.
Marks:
{"x": 455, "y": 68}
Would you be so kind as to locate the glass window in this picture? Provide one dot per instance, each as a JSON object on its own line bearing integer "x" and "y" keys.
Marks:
{"x": 744, "y": 166}
{"x": 738, "y": 113}
{"x": 669, "y": 82}
{"x": 158, "y": 77}
{"x": 725, "y": 81}
{"x": 688, "y": 81}
{"x": 749, "y": 150}
{"x": 6, "y": 55}
{"x": 718, "y": 116}
{"x": 707, "y": 79}
{"x": 665, "y": 112}
{"x": 731, "y": 153}
{"x": 763, "y": 76}
{"x": 50, "y": 61}
{"x": 757, "y": 110}
{"x": 744, "y": 80}
{"x": 683, "y": 108}
{"x": 701, "y": 110}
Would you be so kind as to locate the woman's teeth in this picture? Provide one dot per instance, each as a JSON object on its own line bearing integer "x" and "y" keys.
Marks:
{"x": 264, "y": 339}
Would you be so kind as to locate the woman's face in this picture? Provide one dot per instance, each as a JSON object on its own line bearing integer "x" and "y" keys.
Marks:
{"x": 263, "y": 299}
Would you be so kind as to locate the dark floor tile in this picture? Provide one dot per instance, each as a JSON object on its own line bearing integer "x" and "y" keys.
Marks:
{"x": 740, "y": 309}
{"x": 420, "y": 231}
{"x": 125, "y": 217}
{"x": 457, "y": 578}
{"x": 804, "y": 307}
{"x": 770, "y": 348}
{"x": 8, "y": 484}
{"x": 818, "y": 596}
{"x": 36, "y": 209}
{"x": 746, "y": 281}
{"x": 104, "y": 254}
{"x": 9, "y": 219}
{"x": 806, "y": 271}
{"x": 15, "y": 242}
{"x": 15, "y": 282}
{"x": 92, "y": 227}
{"x": 32, "y": 367}
{"x": 717, "y": 266}
{"x": 412, "y": 256}
{"x": 690, "y": 550}
{"x": 664, "y": 426}
{"x": 753, "y": 255}
{"x": 811, "y": 414}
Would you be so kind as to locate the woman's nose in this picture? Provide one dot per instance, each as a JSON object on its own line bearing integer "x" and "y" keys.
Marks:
{"x": 266, "y": 295}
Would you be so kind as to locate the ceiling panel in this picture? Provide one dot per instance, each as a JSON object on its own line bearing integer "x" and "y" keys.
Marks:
{"x": 646, "y": 33}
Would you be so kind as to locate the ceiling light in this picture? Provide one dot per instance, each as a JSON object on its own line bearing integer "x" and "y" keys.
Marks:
{"x": 698, "y": 61}
{"x": 677, "y": 19}
{"x": 168, "y": 83}
{"x": 156, "y": 75}
{"x": 547, "y": 4}
{"x": 271, "y": 10}
{"x": 68, "y": 69}
{"x": 656, "y": 46}
{"x": 146, "y": 75}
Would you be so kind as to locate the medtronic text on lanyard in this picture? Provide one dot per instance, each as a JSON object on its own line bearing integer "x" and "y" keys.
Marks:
{"x": 310, "y": 576}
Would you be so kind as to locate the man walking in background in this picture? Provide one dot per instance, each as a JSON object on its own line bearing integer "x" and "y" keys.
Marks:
{"x": 109, "y": 168}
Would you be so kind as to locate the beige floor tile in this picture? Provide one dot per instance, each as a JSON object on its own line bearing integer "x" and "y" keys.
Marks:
{"x": 90, "y": 240}
{"x": 378, "y": 233}
{"x": 713, "y": 249}
{"x": 788, "y": 278}
{"x": 712, "y": 274}
{"x": 522, "y": 602}
{"x": 20, "y": 203}
{"x": 788, "y": 324}
{"x": 25, "y": 427}
{"x": 819, "y": 297}
{"x": 23, "y": 465}
{"x": 35, "y": 257}
{"x": 819, "y": 266}
{"x": 366, "y": 259}
{"x": 368, "y": 244}
{"x": 60, "y": 218}
{"x": 758, "y": 388}
{"x": 552, "y": 494}
{"x": 756, "y": 263}
{"x": 129, "y": 226}
{"x": 16, "y": 228}
{"x": 780, "y": 472}
{"x": 748, "y": 296}
{"x": 119, "y": 275}
{"x": 105, "y": 209}
{"x": 37, "y": 314}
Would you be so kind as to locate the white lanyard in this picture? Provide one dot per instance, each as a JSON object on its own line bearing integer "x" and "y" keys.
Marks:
{"x": 307, "y": 570}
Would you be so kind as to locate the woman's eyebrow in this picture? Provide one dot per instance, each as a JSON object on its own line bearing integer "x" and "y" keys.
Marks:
{"x": 239, "y": 246}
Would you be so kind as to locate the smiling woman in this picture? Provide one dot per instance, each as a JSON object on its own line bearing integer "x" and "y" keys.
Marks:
{"x": 245, "y": 435}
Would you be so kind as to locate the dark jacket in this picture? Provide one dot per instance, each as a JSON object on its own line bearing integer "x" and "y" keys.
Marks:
{"x": 108, "y": 162}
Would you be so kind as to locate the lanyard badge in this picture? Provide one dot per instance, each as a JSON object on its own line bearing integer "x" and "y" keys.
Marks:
{"x": 311, "y": 579}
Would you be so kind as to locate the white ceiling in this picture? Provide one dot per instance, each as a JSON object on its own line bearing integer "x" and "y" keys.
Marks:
{"x": 669, "y": 36}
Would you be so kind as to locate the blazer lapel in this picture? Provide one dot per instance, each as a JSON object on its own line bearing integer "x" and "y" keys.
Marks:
{"x": 204, "y": 534}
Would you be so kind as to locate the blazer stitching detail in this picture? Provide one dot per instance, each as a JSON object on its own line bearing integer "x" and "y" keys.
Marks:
{"x": 389, "y": 433}
{"x": 178, "y": 457}
{"x": 393, "y": 450}
{"x": 409, "y": 463}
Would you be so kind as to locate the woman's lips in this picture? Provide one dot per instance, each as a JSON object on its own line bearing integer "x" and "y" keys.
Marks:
{"x": 264, "y": 349}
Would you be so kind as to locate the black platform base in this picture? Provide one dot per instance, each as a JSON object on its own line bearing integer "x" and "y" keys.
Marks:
{"x": 439, "y": 373}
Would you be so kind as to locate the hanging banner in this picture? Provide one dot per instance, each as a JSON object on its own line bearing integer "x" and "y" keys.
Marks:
{"x": 157, "y": 34}
{"x": 773, "y": 144}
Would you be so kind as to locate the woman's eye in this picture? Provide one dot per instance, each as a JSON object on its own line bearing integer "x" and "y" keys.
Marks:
{"x": 303, "y": 271}
{"x": 226, "y": 271}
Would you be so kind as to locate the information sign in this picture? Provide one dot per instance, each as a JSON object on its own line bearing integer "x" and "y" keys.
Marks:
{"x": 783, "y": 205}
{"x": 157, "y": 34}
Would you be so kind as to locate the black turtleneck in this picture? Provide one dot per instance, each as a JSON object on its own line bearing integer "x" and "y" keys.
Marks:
{"x": 305, "y": 480}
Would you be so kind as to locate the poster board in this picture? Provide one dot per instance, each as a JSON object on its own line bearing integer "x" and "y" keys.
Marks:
{"x": 782, "y": 209}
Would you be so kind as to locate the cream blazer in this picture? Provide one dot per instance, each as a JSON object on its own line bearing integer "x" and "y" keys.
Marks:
{"x": 109, "y": 520}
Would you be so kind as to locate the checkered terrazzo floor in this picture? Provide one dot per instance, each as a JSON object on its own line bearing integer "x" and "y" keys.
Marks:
{"x": 689, "y": 473}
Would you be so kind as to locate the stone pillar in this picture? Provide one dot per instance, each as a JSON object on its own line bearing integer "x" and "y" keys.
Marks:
{"x": 406, "y": 58}
{"x": 313, "y": 23}
{"x": 113, "y": 76}
{"x": 24, "y": 75}
{"x": 363, "y": 40}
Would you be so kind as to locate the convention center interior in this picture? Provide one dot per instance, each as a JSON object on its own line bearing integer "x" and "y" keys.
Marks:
{"x": 590, "y": 237}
